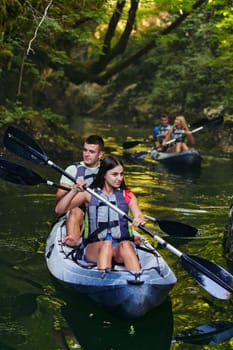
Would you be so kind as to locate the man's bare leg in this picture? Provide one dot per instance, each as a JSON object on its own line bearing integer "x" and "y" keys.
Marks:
{"x": 74, "y": 223}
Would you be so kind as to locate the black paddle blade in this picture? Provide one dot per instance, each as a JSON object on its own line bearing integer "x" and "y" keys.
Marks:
{"x": 200, "y": 122}
{"x": 210, "y": 276}
{"x": 18, "y": 174}
{"x": 208, "y": 123}
{"x": 130, "y": 144}
{"x": 212, "y": 123}
{"x": 207, "y": 334}
{"x": 18, "y": 142}
{"x": 177, "y": 229}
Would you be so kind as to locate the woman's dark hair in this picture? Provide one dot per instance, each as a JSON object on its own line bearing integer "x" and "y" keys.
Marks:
{"x": 107, "y": 163}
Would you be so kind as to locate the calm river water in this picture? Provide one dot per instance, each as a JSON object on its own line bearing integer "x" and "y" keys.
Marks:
{"x": 37, "y": 314}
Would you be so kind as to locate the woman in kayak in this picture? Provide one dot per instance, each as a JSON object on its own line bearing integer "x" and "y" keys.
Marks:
{"x": 108, "y": 237}
{"x": 179, "y": 132}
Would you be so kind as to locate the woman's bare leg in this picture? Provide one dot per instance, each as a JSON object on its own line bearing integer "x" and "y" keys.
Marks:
{"x": 184, "y": 147}
{"x": 100, "y": 253}
{"x": 125, "y": 253}
{"x": 178, "y": 147}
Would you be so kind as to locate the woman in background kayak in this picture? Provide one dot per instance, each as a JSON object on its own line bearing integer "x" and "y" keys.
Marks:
{"x": 179, "y": 132}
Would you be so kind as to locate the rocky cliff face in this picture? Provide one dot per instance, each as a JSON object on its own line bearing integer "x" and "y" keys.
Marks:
{"x": 228, "y": 239}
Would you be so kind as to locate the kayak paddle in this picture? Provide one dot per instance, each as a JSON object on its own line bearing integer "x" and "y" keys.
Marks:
{"x": 18, "y": 174}
{"x": 210, "y": 276}
{"x": 210, "y": 333}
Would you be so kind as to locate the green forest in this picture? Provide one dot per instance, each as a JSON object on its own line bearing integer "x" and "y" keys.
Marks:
{"x": 133, "y": 59}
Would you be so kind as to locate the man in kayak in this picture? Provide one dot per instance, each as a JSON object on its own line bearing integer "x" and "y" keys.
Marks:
{"x": 93, "y": 150}
{"x": 159, "y": 133}
{"x": 108, "y": 235}
{"x": 179, "y": 132}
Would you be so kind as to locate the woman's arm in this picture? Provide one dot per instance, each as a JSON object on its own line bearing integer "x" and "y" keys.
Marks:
{"x": 138, "y": 217}
{"x": 190, "y": 136}
{"x": 75, "y": 197}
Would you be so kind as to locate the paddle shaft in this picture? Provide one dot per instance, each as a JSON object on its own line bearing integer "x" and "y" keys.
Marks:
{"x": 151, "y": 218}
{"x": 189, "y": 260}
{"x": 50, "y": 183}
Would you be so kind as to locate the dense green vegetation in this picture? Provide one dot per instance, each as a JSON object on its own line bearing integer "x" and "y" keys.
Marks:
{"x": 47, "y": 127}
{"x": 117, "y": 58}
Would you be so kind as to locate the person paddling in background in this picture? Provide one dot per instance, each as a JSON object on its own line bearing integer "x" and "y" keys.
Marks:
{"x": 179, "y": 132}
{"x": 159, "y": 133}
{"x": 93, "y": 150}
{"x": 108, "y": 236}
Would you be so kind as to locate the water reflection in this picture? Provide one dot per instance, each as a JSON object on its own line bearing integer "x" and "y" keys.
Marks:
{"x": 18, "y": 302}
{"x": 96, "y": 328}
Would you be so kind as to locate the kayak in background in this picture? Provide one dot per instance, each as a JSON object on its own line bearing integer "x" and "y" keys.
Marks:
{"x": 187, "y": 158}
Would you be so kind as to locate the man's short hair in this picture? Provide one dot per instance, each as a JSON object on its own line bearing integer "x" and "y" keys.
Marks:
{"x": 163, "y": 116}
{"x": 95, "y": 140}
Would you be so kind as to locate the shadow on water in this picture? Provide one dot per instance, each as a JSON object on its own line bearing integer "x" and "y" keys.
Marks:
{"x": 96, "y": 328}
{"x": 185, "y": 172}
{"x": 72, "y": 321}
